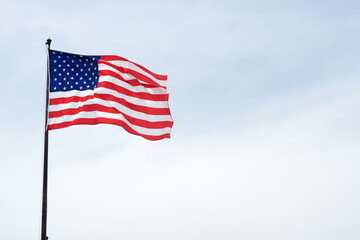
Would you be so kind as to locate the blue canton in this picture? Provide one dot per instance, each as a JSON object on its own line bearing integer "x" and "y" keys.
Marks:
{"x": 73, "y": 72}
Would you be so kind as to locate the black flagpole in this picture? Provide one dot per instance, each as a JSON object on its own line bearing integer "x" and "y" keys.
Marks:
{"x": 46, "y": 138}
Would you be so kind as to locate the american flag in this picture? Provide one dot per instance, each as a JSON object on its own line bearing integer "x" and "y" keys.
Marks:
{"x": 107, "y": 89}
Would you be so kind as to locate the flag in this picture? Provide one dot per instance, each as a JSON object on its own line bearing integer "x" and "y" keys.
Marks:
{"x": 107, "y": 89}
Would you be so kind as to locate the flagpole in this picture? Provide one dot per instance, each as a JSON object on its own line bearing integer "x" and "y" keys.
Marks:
{"x": 46, "y": 140}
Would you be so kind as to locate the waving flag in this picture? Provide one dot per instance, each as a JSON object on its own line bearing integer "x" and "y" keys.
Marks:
{"x": 107, "y": 89}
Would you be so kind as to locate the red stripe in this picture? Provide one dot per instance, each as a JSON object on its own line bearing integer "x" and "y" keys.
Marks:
{"x": 109, "y": 97}
{"x": 138, "y": 108}
{"x": 62, "y": 100}
{"x": 132, "y": 82}
{"x": 140, "y": 95}
{"x": 92, "y": 121}
{"x": 157, "y": 76}
{"x": 114, "y": 58}
{"x": 137, "y": 75}
{"x": 101, "y": 108}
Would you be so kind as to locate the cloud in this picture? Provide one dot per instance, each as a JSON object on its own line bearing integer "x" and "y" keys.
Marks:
{"x": 265, "y": 142}
{"x": 275, "y": 178}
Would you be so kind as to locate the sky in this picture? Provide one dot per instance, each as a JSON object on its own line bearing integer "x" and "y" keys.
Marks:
{"x": 266, "y": 107}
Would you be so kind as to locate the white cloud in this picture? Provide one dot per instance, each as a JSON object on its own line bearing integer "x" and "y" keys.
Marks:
{"x": 265, "y": 142}
{"x": 275, "y": 179}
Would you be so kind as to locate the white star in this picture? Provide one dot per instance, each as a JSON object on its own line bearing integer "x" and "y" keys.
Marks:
{"x": 71, "y": 86}
{"x": 54, "y": 61}
{"x": 64, "y": 61}
{"x": 54, "y": 88}
{"x": 64, "y": 69}
{"x": 80, "y": 87}
{"x": 59, "y": 83}
{"x": 64, "y": 88}
{"x": 55, "y": 70}
{"x": 64, "y": 79}
{"x": 85, "y": 64}
{"x": 88, "y": 86}
{"x": 84, "y": 82}
{"x": 59, "y": 65}
{"x": 59, "y": 57}
{"x": 59, "y": 74}
{"x": 55, "y": 79}
{"x": 76, "y": 83}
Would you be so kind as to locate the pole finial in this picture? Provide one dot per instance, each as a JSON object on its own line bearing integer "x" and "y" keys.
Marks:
{"x": 48, "y": 42}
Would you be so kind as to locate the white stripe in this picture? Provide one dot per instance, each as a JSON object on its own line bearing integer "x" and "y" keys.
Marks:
{"x": 126, "y": 76}
{"x": 119, "y": 82}
{"x": 120, "y": 107}
{"x": 101, "y": 90}
{"x": 96, "y": 114}
{"x": 133, "y": 100}
{"x": 71, "y": 93}
{"x": 130, "y": 65}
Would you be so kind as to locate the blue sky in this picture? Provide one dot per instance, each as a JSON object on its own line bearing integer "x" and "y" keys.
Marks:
{"x": 265, "y": 100}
